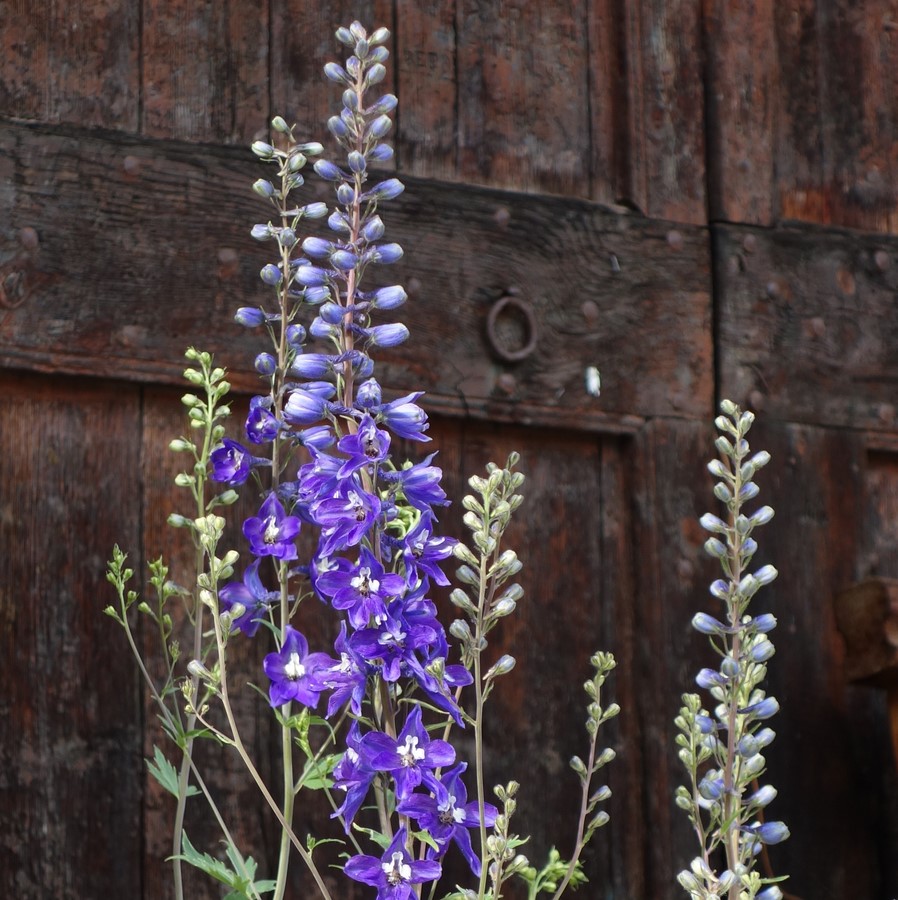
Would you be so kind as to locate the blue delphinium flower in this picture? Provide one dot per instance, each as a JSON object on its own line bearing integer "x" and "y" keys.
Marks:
{"x": 362, "y": 591}
{"x": 295, "y": 673}
{"x": 411, "y": 757}
{"x": 251, "y": 595}
{"x": 231, "y": 463}
{"x": 376, "y": 553}
{"x": 272, "y": 532}
{"x": 395, "y": 872}
{"x": 446, "y": 815}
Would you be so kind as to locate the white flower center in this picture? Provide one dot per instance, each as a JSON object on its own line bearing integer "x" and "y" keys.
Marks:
{"x": 294, "y": 668}
{"x": 396, "y": 870}
{"x": 271, "y": 531}
{"x": 410, "y": 753}
{"x": 364, "y": 584}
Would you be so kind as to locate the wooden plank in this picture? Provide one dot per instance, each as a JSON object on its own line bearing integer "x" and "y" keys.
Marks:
{"x": 625, "y": 295}
{"x": 837, "y": 116}
{"x": 523, "y": 95}
{"x": 807, "y": 325}
{"x": 741, "y": 94}
{"x": 799, "y": 147}
{"x": 70, "y": 62}
{"x": 814, "y": 482}
{"x": 205, "y": 70}
{"x": 426, "y": 84}
{"x": 302, "y": 41}
{"x": 665, "y": 124}
{"x": 70, "y": 787}
{"x": 671, "y": 485}
{"x": 859, "y": 112}
{"x": 610, "y": 166}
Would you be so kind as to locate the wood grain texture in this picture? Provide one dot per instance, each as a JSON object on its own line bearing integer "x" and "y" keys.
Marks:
{"x": 427, "y": 84}
{"x": 740, "y": 94}
{"x": 536, "y": 715}
{"x": 801, "y": 112}
{"x": 523, "y": 105}
{"x": 807, "y": 325}
{"x": 665, "y": 96}
{"x": 70, "y": 769}
{"x": 670, "y": 494}
{"x": 126, "y": 283}
{"x": 814, "y": 482}
{"x": 204, "y": 70}
{"x": 71, "y": 61}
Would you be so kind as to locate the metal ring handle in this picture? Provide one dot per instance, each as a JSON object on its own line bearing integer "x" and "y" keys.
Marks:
{"x": 531, "y": 328}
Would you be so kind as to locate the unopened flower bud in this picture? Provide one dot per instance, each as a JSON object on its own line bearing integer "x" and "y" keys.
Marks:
{"x": 336, "y": 73}
{"x": 262, "y": 149}
{"x": 249, "y": 317}
{"x": 264, "y": 188}
{"x": 327, "y": 170}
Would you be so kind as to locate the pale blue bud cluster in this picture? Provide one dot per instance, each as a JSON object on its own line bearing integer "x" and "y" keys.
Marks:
{"x": 722, "y": 749}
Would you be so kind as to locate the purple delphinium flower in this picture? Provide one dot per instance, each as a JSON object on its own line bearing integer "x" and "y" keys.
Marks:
{"x": 272, "y": 532}
{"x": 347, "y": 677}
{"x": 392, "y": 642}
{"x": 395, "y": 872}
{"x": 231, "y": 462}
{"x": 363, "y": 591}
{"x": 353, "y": 775}
{"x": 405, "y": 418}
{"x": 447, "y": 815}
{"x": 420, "y": 483}
{"x": 261, "y": 424}
{"x": 367, "y": 446}
{"x": 345, "y": 517}
{"x": 410, "y": 758}
{"x": 295, "y": 673}
{"x": 308, "y": 405}
{"x": 421, "y": 551}
{"x": 251, "y": 595}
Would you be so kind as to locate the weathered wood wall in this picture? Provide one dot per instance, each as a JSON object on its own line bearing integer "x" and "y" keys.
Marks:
{"x": 695, "y": 197}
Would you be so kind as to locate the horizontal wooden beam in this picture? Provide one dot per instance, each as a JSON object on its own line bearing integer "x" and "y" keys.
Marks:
{"x": 116, "y": 254}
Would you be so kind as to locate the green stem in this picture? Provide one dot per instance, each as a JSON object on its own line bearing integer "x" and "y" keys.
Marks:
{"x": 478, "y": 723}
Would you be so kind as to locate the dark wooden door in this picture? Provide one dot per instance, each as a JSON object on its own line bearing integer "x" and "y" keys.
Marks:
{"x": 693, "y": 200}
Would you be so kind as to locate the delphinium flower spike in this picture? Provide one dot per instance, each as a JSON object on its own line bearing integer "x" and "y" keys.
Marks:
{"x": 722, "y": 750}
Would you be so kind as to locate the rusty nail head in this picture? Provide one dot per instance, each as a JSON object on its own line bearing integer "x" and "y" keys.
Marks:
{"x": 590, "y": 311}
{"x": 28, "y": 238}
{"x": 882, "y": 260}
{"x": 506, "y": 382}
{"x": 131, "y": 165}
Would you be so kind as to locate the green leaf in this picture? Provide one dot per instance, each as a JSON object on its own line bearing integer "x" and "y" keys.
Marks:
{"x": 315, "y": 772}
{"x": 208, "y": 864}
{"x": 166, "y": 774}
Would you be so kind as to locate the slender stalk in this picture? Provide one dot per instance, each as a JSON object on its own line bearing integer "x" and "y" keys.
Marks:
{"x": 731, "y": 801}
{"x": 254, "y": 772}
{"x": 478, "y": 722}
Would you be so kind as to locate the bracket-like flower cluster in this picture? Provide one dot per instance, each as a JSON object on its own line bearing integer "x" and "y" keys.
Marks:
{"x": 723, "y": 750}
{"x": 339, "y": 522}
